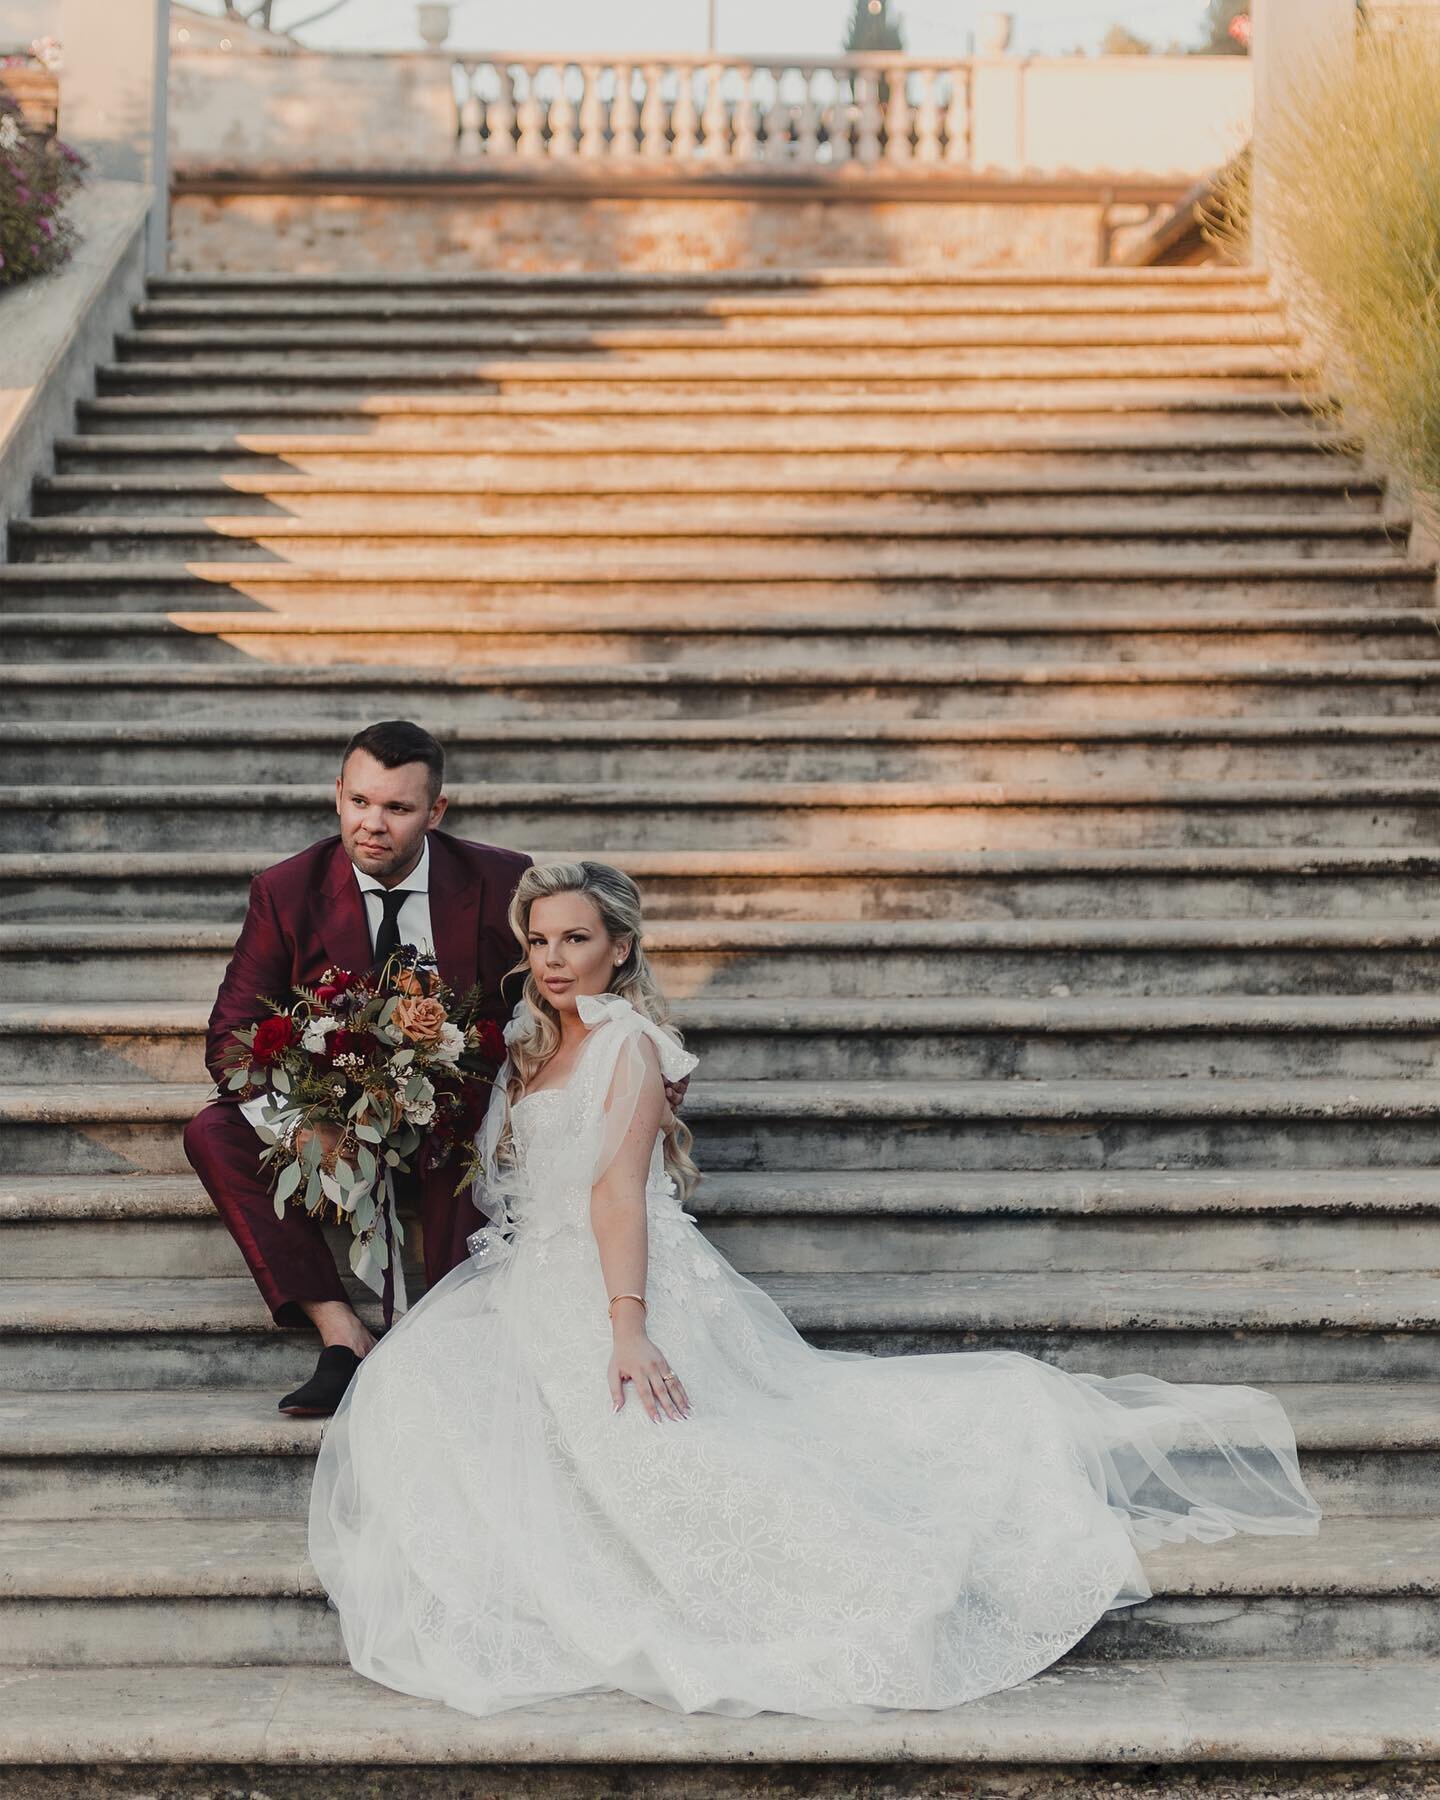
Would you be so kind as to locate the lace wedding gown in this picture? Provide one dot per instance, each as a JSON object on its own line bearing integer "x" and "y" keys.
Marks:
{"x": 827, "y": 1533}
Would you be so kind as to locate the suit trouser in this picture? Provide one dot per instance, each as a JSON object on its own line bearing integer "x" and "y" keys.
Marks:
{"x": 288, "y": 1256}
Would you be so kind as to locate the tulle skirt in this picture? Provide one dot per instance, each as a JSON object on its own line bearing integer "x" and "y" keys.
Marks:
{"x": 827, "y": 1534}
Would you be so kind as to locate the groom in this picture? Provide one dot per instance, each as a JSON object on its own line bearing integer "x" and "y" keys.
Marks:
{"x": 389, "y": 878}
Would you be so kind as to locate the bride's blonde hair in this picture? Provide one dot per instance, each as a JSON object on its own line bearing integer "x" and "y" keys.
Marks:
{"x": 536, "y": 1036}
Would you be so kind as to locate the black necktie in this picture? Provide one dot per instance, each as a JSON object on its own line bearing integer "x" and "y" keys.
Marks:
{"x": 387, "y": 938}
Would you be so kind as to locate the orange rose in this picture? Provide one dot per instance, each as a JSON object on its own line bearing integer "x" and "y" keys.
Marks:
{"x": 419, "y": 1021}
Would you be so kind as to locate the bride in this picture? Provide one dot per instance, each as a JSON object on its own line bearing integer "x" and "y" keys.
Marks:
{"x": 595, "y": 1457}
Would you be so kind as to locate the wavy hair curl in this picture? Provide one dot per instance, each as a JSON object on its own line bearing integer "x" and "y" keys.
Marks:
{"x": 617, "y": 900}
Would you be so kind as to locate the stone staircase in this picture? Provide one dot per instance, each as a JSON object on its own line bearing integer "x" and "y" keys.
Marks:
{"x": 1025, "y": 725}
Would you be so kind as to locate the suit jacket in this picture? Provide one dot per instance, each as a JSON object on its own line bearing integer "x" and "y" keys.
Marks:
{"x": 307, "y": 913}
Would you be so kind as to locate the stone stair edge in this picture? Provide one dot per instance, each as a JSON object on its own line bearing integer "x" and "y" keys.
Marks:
{"x": 1164, "y": 1713}
{"x": 833, "y": 936}
{"x": 800, "y": 527}
{"x": 183, "y": 1558}
{"x": 1402, "y": 1416}
{"x": 1331, "y": 1099}
{"x": 1049, "y": 1194}
{"x": 783, "y": 864}
{"x": 820, "y": 276}
{"x": 1320, "y": 445}
{"x": 1036, "y": 486}
{"x": 736, "y": 795}
{"x": 1079, "y": 728}
{"x": 657, "y": 675}
{"x": 1072, "y": 1014}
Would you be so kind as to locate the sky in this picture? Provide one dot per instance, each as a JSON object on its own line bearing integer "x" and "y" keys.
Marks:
{"x": 768, "y": 27}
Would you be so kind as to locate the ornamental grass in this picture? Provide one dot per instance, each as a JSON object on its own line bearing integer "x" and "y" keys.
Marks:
{"x": 1353, "y": 236}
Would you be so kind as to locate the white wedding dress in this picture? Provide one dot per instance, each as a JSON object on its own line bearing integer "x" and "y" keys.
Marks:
{"x": 829, "y": 1532}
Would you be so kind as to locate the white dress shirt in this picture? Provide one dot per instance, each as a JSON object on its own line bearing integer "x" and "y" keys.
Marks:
{"x": 413, "y": 919}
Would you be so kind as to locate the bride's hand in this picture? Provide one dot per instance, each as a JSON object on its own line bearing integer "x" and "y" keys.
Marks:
{"x": 636, "y": 1359}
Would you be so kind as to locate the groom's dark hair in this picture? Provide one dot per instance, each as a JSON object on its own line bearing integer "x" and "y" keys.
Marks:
{"x": 394, "y": 742}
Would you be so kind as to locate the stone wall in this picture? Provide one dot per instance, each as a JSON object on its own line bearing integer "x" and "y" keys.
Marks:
{"x": 454, "y": 232}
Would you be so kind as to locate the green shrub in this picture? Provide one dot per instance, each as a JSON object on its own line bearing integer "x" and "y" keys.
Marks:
{"x": 38, "y": 174}
{"x": 1353, "y": 236}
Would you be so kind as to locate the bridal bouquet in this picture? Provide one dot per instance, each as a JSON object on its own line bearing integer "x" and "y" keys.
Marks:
{"x": 358, "y": 1078}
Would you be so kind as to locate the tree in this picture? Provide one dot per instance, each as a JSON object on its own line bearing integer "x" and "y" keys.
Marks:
{"x": 1216, "y": 36}
{"x": 261, "y": 14}
{"x": 872, "y": 29}
{"x": 1119, "y": 40}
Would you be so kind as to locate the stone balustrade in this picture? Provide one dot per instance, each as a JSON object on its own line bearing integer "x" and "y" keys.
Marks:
{"x": 870, "y": 121}
{"x": 723, "y": 113}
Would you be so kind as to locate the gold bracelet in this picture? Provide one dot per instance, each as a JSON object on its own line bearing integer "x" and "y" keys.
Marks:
{"x": 610, "y": 1310}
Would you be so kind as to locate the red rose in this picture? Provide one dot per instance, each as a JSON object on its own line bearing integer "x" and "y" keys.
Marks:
{"x": 492, "y": 1041}
{"x": 334, "y": 981}
{"x": 272, "y": 1038}
{"x": 347, "y": 1043}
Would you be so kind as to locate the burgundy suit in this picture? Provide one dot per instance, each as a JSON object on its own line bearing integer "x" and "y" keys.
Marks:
{"x": 305, "y": 914}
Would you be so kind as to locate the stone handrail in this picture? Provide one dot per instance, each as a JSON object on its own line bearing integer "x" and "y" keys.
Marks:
{"x": 722, "y": 112}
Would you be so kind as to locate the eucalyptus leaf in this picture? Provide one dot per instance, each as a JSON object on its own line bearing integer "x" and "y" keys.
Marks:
{"x": 357, "y": 1254}
{"x": 368, "y": 1134}
{"x": 287, "y": 1184}
{"x": 366, "y": 1159}
{"x": 280, "y": 1079}
{"x": 238, "y": 1080}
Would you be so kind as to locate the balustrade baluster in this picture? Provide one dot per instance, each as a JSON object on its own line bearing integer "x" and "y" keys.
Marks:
{"x": 623, "y": 117}
{"x": 743, "y": 150}
{"x": 927, "y": 118}
{"x": 592, "y": 113}
{"x": 500, "y": 114}
{"x": 897, "y": 118}
{"x": 957, "y": 116}
{"x": 807, "y": 120}
{"x": 530, "y": 117}
{"x": 867, "y": 101}
{"x": 562, "y": 116}
{"x": 653, "y": 139}
{"x": 684, "y": 117}
{"x": 714, "y": 124}
{"x": 838, "y": 121}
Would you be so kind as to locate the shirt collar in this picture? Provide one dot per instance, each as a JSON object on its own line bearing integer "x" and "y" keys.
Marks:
{"x": 416, "y": 882}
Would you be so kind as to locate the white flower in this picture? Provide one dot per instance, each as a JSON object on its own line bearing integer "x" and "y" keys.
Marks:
{"x": 315, "y": 1033}
{"x": 10, "y": 133}
{"x": 452, "y": 1042}
{"x": 421, "y": 1111}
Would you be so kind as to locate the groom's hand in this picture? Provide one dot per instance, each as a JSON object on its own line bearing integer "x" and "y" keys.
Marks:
{"x": 328, "y": 1135}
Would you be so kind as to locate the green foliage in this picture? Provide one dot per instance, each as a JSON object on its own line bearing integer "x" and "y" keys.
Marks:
{"x": 1353, "y": 235}
{"x": 870, "y": 33}
{"x": 1119, "y": 40}
{"x": 38, "y": 174}
{"x": 1215, "y": 36}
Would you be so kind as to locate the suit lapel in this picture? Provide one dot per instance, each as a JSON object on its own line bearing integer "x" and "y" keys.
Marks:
{"x": 344, "y": 929}
{"x": 455, "y": 897}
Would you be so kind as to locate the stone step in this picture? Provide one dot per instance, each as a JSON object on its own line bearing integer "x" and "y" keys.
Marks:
{"x": 904, "y": 1125}
{"x": 446, "y": 695}
{"x": 879, "y": 960}
{"x": 864, "y": 649}
{"x": 258, "y": 1726}
{"x": 761, "y": 450}
{"x": 222, "y": 1451}
{"x": 707, "y": 492}
{"x": 822, "y": 816}
{"x": 753, "y": 548}
{"x": 700, "y": 339}
{"x": 1183, "y": 1220}
{"x": 224, "y": 1592}
{"x": 495, "y": 421}
{"x": 199, "y": 886}
{"x": 993, "y": 302}
{"x": 47, "y": 1043}
{"x": 1241, "y": 284}
{"x": 61, "y": 753}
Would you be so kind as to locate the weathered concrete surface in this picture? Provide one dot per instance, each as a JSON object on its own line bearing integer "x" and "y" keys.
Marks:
{"x": 55, "y": 330}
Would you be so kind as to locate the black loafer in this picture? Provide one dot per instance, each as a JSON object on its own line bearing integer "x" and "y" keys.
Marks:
{"x": 325, "y": 1389}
